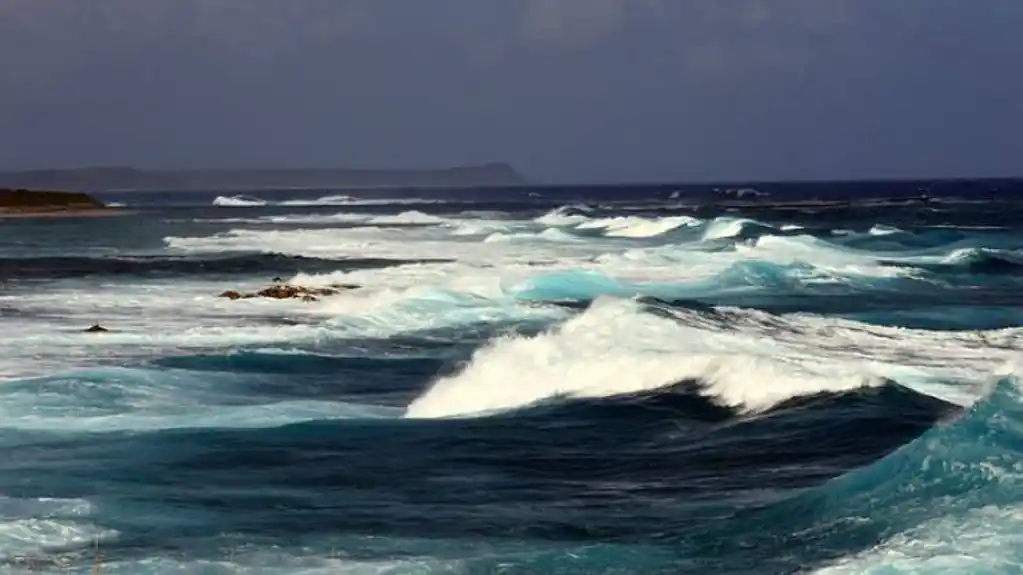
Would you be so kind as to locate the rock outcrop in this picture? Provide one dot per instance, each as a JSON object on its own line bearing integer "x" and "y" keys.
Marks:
{"x": 95, "y": 328}
{"x": 288, "y": 291}
{"x": 18, "y": 201}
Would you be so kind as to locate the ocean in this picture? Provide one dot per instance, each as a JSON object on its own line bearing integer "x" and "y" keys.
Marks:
{"x": 563, "y": 380}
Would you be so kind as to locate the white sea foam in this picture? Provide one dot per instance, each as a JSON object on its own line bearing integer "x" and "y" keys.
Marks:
{"x": 580, "y": 216}
{"x": 638, "y": 227}
{"x": 409, "y": 217}
{"x": 883, "y": 230}
{"x": 562, "y": 216}
{"x": 242, "y": 201}
{"x": 550, "y": 235}
{"x": 172, "y": 316}
{"x": 788, "y": 250}
{"x": 155, "y": 316}
{"x": 554, "y": 246}
{"x": 986, "y": 540}
{"x": 479, "y": 227}
{"x": 270, "y": 562}
{"x": 331, "y": 200}
{"x": 303, "y": 557}
{"x": 238, "y": 202}
{"x": 511, "y": 243}
{"x": 158, "y": 317}
{"x": 145, "y": 317}
{"x": 28, "y": 527}
{"x": 465, "y": 224}
{"x": 614, "y": 349}
{"x": 422, "y": 242}
{"x": 339, "y": 218}
{"x": 724, "y": 228}
{"x": 415, "y": 309}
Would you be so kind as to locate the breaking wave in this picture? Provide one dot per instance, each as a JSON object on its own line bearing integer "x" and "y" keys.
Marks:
{"x": 588, "y": 357}
{"x": 246, "y": 201}
{"x": 238, "y": 202}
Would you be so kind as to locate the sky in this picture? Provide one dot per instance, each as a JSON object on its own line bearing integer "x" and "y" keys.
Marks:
{"x": 564, "y": 90}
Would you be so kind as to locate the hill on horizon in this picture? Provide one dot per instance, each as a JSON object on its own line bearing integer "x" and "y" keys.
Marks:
{"x": 128, "y": 178}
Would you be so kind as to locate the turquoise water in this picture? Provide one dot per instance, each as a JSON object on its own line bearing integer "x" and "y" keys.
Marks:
{"x": 621, "y": 380}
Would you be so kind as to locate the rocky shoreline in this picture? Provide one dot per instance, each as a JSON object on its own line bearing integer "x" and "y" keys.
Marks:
{"x": 22, "y": 203}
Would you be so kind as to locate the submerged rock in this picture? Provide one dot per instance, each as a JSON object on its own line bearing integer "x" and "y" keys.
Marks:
{"x": 95, "y": 328}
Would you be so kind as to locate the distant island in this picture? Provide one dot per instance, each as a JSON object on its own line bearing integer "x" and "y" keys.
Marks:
{"x": 21, "y": 202}
{"x": 128, "y": 179}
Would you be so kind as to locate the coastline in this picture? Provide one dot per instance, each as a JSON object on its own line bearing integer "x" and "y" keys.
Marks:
{"x": 113, "y": 178}
{"x": 8, "y": 214}
{"x": 22, "y": 203}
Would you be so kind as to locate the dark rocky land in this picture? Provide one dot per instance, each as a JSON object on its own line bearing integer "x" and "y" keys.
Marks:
{"x": 22, "y": 202}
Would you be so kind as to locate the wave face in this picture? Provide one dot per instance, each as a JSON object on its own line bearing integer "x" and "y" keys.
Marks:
{"x": 557, "y": 380}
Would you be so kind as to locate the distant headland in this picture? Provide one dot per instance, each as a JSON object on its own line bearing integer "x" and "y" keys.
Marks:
{"x": 33, "y": 203}
{"x": 128, "y": 179}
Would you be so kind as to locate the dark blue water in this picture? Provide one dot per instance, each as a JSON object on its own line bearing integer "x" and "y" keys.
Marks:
{"x": 544, "y": 380}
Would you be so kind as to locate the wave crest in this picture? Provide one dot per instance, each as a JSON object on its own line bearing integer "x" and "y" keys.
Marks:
{"x": 971, "y": 465}
{"x": 243, "y": 200}
{"x": 736, "y": 228}
{"x": 637, "y": 227}
{"x": 587, "y": 357}
{"x": 240, "y": 201}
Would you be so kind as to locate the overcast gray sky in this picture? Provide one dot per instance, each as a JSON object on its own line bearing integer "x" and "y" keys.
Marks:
{"x": 562, "y": 89}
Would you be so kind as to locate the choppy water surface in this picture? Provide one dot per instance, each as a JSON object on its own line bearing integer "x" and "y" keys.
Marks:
{"x": 614, "y": 380}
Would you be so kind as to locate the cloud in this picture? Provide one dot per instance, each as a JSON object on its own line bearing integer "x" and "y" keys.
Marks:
{"x": 571, "y": 21}
{"x": 697, "y": 88}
